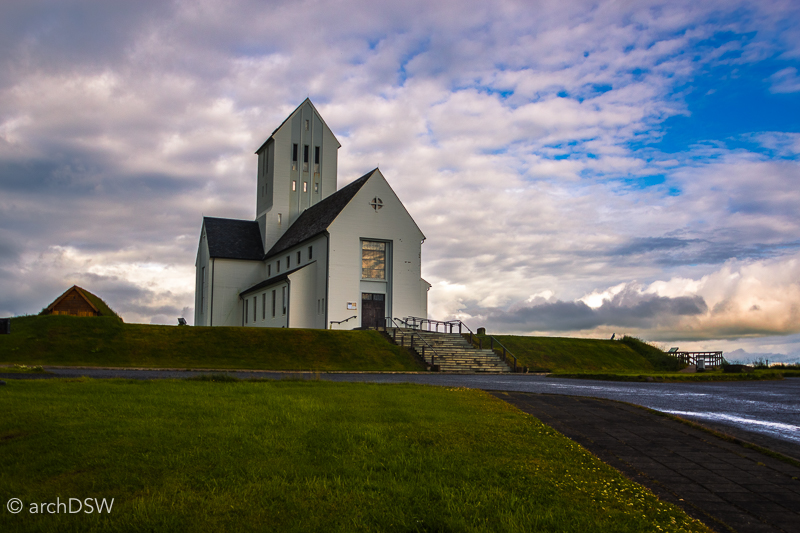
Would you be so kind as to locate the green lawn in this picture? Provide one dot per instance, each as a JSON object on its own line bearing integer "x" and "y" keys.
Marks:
{"x": 106, "y": 341}
{"x": 303, "y": 456}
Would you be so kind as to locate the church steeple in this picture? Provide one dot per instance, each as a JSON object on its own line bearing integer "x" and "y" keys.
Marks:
{"x": 297, "y": 168}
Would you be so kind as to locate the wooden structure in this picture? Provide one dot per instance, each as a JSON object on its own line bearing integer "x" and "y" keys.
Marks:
{"x": 77, "y": 302}
{"x": 690, "y": 358}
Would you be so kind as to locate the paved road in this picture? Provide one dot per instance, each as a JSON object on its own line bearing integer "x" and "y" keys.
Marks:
{"x": 763, "y": 412}
{"x": 725, "y": 485}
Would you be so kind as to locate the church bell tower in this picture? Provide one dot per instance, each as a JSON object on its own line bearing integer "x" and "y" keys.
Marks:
{"x": 296, "y": 169}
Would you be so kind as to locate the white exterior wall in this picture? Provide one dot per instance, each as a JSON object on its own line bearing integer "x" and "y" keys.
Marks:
{"x": 230, "y": 277}
{"x": 307, "y": 287}
{"x": 202, "y": 285}
{"x": 266, "y": 319}
{"x": 358, "y": 221}
{"x": 302, "y": 300}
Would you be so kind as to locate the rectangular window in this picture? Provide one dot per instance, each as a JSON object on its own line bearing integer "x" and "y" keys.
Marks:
{"x": 310, "y": 252}
{"x": 316, "y": 155}
{"x": 305, "y": 186}
{"x": 255, "y": 308}
{"x": 273, "y": 304}
{"x": 279, "y": 219}
{"x": 305, "y": 158}
{"x": 269, "y": 270}
{"x": 316, "y": 187}
{"x": 373, "y": 260}
{"x": 298, "y": 257}
{"x": 283, "y": 299}
{"x": 294, "y": 153}
{"x": 306, "y": 125}
{"x": 287, "y": 262}
{"x": 264, "y": 306}
{"x": 294, "y": 185}
{"x": 278, "y": 266}
{"x": 246, "y": 310}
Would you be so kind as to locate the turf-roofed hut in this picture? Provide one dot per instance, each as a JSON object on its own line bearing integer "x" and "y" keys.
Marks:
{"x": 77, "y": 301}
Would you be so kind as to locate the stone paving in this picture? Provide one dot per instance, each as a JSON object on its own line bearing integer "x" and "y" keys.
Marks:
{"x": 725, "y": 485}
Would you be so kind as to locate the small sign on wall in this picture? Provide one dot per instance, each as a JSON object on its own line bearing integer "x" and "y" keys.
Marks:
{"x": 351, "y": 305}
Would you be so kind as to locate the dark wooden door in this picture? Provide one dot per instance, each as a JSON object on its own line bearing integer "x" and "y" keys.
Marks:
{"x": 373, "y": 310}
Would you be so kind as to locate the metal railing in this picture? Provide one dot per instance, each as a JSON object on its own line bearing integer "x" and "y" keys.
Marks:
{"x": 422, "y": 342}
{"x": 341, "y": 321}
{"x": 505, "y": 355}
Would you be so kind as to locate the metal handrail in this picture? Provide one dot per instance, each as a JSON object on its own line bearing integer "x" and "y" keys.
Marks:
{"x": 434, "y": 353}
{"x": 341, "y": 321}
{"x": 472, "y": 336}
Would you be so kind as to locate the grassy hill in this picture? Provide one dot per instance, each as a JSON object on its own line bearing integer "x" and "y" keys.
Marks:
{"x": 106, "y": 341}
{"x": 561, "y": 354}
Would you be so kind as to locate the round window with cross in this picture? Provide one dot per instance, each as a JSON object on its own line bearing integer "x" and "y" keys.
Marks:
{"x": 376, "y": 203}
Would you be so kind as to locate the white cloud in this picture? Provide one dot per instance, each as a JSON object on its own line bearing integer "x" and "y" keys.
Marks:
{"x": 785, "y": 81}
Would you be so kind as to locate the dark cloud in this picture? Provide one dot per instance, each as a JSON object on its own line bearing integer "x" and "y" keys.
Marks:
{"x": 628, "y": 309}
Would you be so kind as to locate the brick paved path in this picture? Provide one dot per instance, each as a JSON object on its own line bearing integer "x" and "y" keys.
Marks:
{"x": 725, "y": 485}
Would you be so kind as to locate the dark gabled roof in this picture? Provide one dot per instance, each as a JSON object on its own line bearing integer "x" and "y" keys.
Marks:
{"x": 318, "y": 217}
{"x": 274, "y": 280}
{"x": 233, "y": 239}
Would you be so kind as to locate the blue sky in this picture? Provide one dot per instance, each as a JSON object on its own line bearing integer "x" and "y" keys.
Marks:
{"x": 579, "y": 168}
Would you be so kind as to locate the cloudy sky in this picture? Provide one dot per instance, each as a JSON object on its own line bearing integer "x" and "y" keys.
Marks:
{"x": 579, "y": 168}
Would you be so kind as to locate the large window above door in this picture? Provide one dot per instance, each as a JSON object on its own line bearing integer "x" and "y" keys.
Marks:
{"x": 373, "y": 260}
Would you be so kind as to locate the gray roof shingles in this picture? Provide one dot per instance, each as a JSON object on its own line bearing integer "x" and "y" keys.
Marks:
{"x": 234, "y": 239}
{"x": 318, "y": 217}
{"x": 241, "y": 239}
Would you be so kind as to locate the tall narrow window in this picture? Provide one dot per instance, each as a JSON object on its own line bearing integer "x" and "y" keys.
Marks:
{"x": 283, "y": 298}
{"x": 246, "y": 310}
{"x": 298, "y": 257}
{"x": 306, "y": 125}
{"x": 316, "y": 186}
{"x": 255, "y": 308}
{"x": 279, "y": 219}
{"x": 373, "y": 260}
{"x": 294, "y": 185}
{"x": 316, "y": 160}
{"x": 287, "y": 262}
{"x": 305, "y": 158}
{"x": 294, "y": 156}
{"x": 273, "y": 304}
{"x": 269, "y": 270}
{"x": 305, "y": 186}
{"x": 278, "y": 266}
{"x": 264, "y": 306}
{"x": 310, "y": 252}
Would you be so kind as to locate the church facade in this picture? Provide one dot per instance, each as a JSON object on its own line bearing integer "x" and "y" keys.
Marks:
{"x": 315, "y": 256}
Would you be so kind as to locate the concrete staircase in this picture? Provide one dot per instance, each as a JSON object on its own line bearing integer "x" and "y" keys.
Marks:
{"x": 454, "y": 353}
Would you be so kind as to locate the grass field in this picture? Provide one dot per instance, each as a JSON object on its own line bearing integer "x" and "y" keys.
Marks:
{"x": 106, "y": 341}
{"x": 562, "y": 354}
{"x": 302, "y": 456}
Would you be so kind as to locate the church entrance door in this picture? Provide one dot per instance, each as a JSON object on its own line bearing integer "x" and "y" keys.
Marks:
{"x": 373, "y": 309}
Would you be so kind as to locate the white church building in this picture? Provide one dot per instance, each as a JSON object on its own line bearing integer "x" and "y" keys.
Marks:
{"x": 315, "y": 256}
